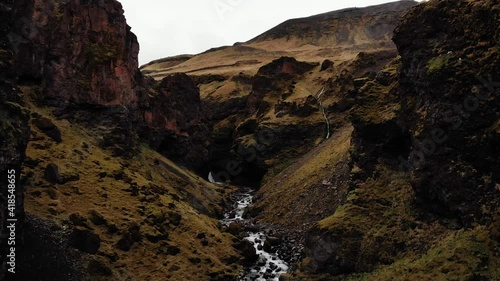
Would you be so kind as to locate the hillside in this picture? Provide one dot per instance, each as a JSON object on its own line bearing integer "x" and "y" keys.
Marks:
{"x": 338, "y": 35}
{"x": 81, "y": 128}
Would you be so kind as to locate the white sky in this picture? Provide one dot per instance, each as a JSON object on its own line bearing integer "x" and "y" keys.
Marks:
{"x": 167, "y": 28}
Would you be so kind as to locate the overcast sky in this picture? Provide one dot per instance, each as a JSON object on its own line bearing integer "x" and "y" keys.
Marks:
{"x": 168, "y": 28}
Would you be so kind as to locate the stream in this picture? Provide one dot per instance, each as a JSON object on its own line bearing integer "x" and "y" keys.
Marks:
{"x": 323, "y": 111}
{"x": 269, "y": 266}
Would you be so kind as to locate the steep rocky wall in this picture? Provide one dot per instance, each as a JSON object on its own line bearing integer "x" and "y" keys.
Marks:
{"x": 83, "y": 58}
{"x": 449, "y": 89}
{"x": 424, "y": 156}
{"x": 378, "y": 196}
{"x": 252, "y": 136}
{"x": 174, "y": 122}
{"x": 81, "y": 51}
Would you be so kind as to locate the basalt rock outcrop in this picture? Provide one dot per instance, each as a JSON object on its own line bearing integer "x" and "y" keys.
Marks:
{"x": 247, "y": 143}
{"x": 449, "y": 89}
{"x": 174, "y": 121}
{"x": 276, "y": 77}
{"x": 35, "y": 245}
{"x": 83, "y": 60}
{"x": 343, "y": 243}
{"x": 423, "y": 155}
{"x": 80, "y": 51}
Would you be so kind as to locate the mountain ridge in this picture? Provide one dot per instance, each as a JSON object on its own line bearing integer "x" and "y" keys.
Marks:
{"x": 368, "y": 28}
{"x": 354, "y": 12}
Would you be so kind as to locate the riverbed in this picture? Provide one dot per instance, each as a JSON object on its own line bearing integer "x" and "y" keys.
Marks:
{"x": 269, "y": 266}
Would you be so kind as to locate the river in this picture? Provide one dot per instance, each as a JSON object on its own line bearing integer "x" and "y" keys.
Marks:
{"x": 269, "y": 266}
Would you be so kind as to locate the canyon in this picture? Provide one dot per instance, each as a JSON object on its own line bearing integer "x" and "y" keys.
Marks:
{"x": 358, "y": 144}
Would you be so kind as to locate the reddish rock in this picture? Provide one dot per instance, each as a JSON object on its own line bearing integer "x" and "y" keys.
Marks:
{"x": 174, "y": 121}
{"x": 81, "y": 51}
{"x": 85, "y": 58}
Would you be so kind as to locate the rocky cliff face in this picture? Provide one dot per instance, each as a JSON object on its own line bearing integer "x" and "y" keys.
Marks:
{"x": 449, "y": 86}
{"x": 258, "y": 135}
{"x": 81, "y": 51}
{"x": 83, "y": 57}
{"x": 174, "y": 122}
{"x": 423, "y": 156}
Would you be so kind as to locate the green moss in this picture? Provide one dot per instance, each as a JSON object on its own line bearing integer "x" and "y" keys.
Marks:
{"x": 437, "y": 63}
{"x": 58, "y": 11}
{"x": 373, "y": 221}
{"x": 99, "y": 54}
{"x": 378, "y": 218}
{"x": 461, "y": 256}
{"x": 375, "y": 104}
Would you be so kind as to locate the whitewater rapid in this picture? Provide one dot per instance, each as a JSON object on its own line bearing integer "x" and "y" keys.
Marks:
{"x": 269, "y": 266}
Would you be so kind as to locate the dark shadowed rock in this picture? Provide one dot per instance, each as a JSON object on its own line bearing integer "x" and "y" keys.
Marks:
{"x": 271, "y": 243}
{"x": 174, "y": 121}
{"x": 85, "y": 240}
{"x": 96, "y": 217}
{"x": 235, "y": 228}
{"x": 194, "y": 260}
{"x": 155, "y": 236}
{"x": 98, "y": 267}
{"x": 52, "y": 174}
{"x": 174, "y": 218}
{"x": 286, "y": 67}
{"x": 327, "y": 64}
{"x": 49, "y": 128}
{"x": 173, "y": 250}
{"x": 450, "y": 103}
{"x": 246, "y": 249}
{"x": 78, "y": 220}
{"x": 133, "y": 235}
{"x": 14, "y": 134}
{"x": 69, "y": 177}
{"x": 44, "y": 256}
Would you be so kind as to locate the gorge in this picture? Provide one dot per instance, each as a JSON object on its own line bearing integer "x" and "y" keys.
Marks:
{"x": 354, "y": 145}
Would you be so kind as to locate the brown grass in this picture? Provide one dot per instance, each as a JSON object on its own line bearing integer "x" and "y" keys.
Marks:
{"x": 163, "y": 187}
{"x": 297, "y": 194}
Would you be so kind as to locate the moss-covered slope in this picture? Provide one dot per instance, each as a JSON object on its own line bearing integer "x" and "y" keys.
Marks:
{"x": 139, "y": 218}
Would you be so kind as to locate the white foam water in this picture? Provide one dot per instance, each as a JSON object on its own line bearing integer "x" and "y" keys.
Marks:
{"x": 269, "y": 266}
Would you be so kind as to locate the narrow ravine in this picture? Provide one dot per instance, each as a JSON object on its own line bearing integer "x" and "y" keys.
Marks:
{"x": 269, "y": 266}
